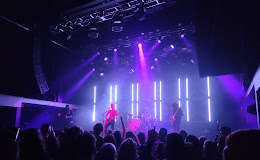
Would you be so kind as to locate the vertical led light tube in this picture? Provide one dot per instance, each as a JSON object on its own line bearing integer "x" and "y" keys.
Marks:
{"x": 208, "y": 86}
{"x": 187, "y": 101}
{"x": 137, "y": 94}
{"x": 187, "y": 105}
{"x": 155, "y": 100}
{"x": 209, "y": 109}
{"x": 94, "y": 106}
{"x": 110, "y": 94}
{"x": 179, "y": 91}
{"x": 160, "y": 101}
{"x": 115, "y": 96}
{"x": 132, "y": 99}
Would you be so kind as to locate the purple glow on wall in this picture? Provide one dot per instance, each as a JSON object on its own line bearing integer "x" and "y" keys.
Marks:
{"x": 76, "y": 70}
{"x": 234, "y": 87}
{"x": 78, "y": 84}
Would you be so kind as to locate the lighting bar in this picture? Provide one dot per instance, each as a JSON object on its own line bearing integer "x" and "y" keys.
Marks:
{"x": 179, "y": 91}
{"x": 187, "y": 102}
{"x": 179, "y": 87}
{"x": 115, "y": 95}
{"x": 115, "y": 98}
{"x": 155, "y": 91}
{"x": 137, "y": 90}
{"x": 137, "y": 109}
{"x": 155, "y": 110}
{"x": 94, "y": 106}
{"x": 155, "y": 100}
{"x": 208, "y": 86}
{"x": 110, "y": 94}
{"x": 160, "y": 90}
{"x": 187, "y": 105}
{"x": 187, "y": 93}
{"x": 132, "y": 98}
{"x": 209, "y": 109}
{"x": 160, "y": 100}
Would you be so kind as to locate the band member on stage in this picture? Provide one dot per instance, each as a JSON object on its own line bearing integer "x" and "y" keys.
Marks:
{"x": 111, "y": 119}
{"x": 177, "y": 113}
{"x": 69, "y": 116}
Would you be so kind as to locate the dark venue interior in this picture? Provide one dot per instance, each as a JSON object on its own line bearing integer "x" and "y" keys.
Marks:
{"x": 129, "y": 79}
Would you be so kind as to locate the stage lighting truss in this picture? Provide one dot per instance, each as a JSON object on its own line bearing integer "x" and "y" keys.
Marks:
{"x": 103, "y": 11}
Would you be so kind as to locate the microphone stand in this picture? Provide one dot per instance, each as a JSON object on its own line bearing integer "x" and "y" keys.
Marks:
{"x": 103, "y": 121}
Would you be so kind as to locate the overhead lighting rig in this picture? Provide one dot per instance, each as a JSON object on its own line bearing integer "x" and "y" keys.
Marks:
{"x": 103, "y": 10}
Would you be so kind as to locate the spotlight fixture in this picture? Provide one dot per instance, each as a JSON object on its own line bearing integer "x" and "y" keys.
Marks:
{"x": 152, "y": 67}
{"x": 182, "y": 35}
{"x": 155, "y": 59}
{"x": 117, "y": 23}
{"x": 93, "y": 69}
{"x": 105, "y": 59}
{"x": 132, "y": 70}
{"x": 117, "y": 26}
{"x": 139, "y": 44}
{"x": 93, "y": 32}
{"x": 172, "y": 46}
{"x": 115, "y": 50}
{"x": 101, "y": 74}
{"x": 159, "y": 41}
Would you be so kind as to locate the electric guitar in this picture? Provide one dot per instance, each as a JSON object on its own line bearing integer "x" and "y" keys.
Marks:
{"x": 108, "y": 120}
{"x": 173, "y": 116}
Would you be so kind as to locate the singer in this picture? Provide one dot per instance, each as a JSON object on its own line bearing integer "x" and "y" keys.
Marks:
{"x": 110, "y": 120}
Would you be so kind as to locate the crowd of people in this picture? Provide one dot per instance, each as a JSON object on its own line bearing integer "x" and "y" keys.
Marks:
{"x": 76, "y": 144}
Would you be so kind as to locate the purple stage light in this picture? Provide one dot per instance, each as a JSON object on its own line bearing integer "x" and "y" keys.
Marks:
{"x": 98, "y": 53}
{"x": 115, "y": 50}
{"x": 155, "y": 59}
{"x": 105, "y": 59}
{"x": 101, "y": 74}
{"x": 93, "y": 69}
{"x": 159, "y": 41}
{"x": 152, "y": 67}
{"x": 139, "y": 45}
{"x": 182, "y": 35}
{"x": 172, "y": 46}
{"x": 132, "y": 70}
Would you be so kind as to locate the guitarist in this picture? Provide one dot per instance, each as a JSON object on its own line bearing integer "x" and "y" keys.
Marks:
{"x": 111, "y": 119}
{"x": 177, "y": 113}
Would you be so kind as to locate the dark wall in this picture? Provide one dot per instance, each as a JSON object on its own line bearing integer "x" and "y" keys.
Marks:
{"x": 16, "y": 65}
{"x": 226, "y": 37}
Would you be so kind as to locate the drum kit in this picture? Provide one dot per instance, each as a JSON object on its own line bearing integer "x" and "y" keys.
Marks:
{"x": 143, "y": 121}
